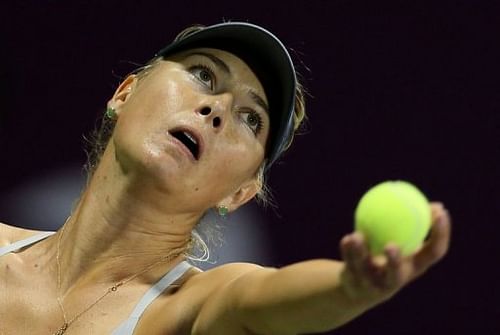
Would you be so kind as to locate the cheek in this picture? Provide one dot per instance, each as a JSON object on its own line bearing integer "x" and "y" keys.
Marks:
{"x": 238, "y": 161}
{"x": 147, "y": 113}
{"x": 168, "y": 98}
{"x": 156, "y": 101}
{"x": 140, "y": 132}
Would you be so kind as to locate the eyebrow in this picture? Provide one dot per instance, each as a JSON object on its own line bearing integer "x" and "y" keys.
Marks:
{"x": 225, "y": 68}
{"x": 259, "y": 101}
{"x": 217, "y": 61}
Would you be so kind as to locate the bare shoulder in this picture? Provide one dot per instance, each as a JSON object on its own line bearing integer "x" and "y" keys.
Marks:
{"x": 10, "y": 234}
{"x": 216, "y": 307}
{"x": 177, "y": 311}
{"x": 222, "y": 275}
{"x": 196, "y": 285}
{"x": 228, "y": 271}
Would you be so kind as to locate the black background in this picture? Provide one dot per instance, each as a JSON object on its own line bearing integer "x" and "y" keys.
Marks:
{"x": 398, "y": 90}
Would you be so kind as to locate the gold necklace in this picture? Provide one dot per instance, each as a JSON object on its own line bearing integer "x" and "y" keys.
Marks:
{"x": 112, "y": 289}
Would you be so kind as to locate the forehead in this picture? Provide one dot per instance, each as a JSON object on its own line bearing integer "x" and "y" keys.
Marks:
{"x": 239, "y": 73}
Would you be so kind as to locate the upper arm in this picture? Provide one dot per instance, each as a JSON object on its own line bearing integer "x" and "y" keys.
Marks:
{"x": 218, "y": 313}
{"x": 300, "y": 298}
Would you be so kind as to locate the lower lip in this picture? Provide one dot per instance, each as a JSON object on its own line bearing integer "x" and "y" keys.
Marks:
{"x": 182, "y": 147}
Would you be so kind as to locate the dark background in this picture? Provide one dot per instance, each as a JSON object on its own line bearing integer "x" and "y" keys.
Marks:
{"x": 398, "y": 90}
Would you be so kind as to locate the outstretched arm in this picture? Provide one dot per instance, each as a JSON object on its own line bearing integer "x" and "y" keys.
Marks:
{"x": 319, "y": 295}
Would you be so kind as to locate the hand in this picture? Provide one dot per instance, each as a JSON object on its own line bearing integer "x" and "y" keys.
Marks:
{"x": 372, "y": 279}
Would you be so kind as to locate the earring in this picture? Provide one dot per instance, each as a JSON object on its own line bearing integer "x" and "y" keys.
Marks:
{"x": 111, "y": 113}
{"x": 222, "y": 211}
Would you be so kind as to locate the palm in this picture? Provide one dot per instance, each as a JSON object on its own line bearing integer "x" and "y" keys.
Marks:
{"x": 374, "y": 279}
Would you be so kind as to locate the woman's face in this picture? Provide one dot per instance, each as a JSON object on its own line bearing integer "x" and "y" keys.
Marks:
{"x": 195, "y": 127}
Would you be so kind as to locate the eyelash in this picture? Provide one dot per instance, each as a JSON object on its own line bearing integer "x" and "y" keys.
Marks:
{"x": 203, "y": 67}
{"x": 206, "y": 68}
{"x": 260, "y": 121}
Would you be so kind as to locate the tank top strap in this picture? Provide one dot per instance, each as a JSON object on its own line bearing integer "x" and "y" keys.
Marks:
{"x": 128, "y": 326}
{"x": 25, "y": 242}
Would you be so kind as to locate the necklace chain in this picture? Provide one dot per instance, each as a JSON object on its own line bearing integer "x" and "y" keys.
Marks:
{"x": 111, "y": 289}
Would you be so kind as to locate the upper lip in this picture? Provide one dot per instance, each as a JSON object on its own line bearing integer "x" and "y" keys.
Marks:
{"x": 183, "y": 134}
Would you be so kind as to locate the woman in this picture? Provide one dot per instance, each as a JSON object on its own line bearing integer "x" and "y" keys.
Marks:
{"x": 194, "y": 130}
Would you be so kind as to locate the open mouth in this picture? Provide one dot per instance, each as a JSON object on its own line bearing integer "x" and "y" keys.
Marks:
{"x": 189, "y": 139}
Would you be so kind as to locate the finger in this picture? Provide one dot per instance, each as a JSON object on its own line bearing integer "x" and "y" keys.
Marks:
{"x": 354, "y": 252}
{"x": 437, "y": 208}
{"x": 393, "y": 273}
{"x": 437, "y": 246}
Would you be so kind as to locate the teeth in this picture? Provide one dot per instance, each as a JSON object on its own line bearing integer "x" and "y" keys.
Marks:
{"x": 188, "y": 140}
{"x": 188, "y": 135}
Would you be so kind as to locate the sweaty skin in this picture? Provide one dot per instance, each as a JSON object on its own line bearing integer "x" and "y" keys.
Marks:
{"x": 147, "y": 195}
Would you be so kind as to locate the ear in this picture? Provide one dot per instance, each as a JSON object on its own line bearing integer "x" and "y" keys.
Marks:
{"x": 245, "y": 193}
{"x": 122, "y": 93}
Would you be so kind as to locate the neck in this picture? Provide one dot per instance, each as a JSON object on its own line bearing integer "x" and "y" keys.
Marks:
{"x": 119, "y": 228}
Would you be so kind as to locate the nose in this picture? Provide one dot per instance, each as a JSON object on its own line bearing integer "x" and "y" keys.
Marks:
{"x": 208, "y": 112}
{"x": 217, "y": 111}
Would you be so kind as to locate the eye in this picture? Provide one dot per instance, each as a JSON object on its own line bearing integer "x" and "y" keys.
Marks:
{"x": 253, "y": 120}
{"x": 203, "y": 74}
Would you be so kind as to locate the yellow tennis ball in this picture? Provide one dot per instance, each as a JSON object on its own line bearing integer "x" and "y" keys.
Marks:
{"x": 393, "y": 211}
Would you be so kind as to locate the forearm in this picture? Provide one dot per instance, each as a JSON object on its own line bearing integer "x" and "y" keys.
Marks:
{"x": 305, "y": 297}
{"x": 318, "y": 295}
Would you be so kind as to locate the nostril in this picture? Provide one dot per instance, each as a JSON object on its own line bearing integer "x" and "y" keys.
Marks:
{"x": 205, "y": 111}
{"x": 216, "y": 122}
